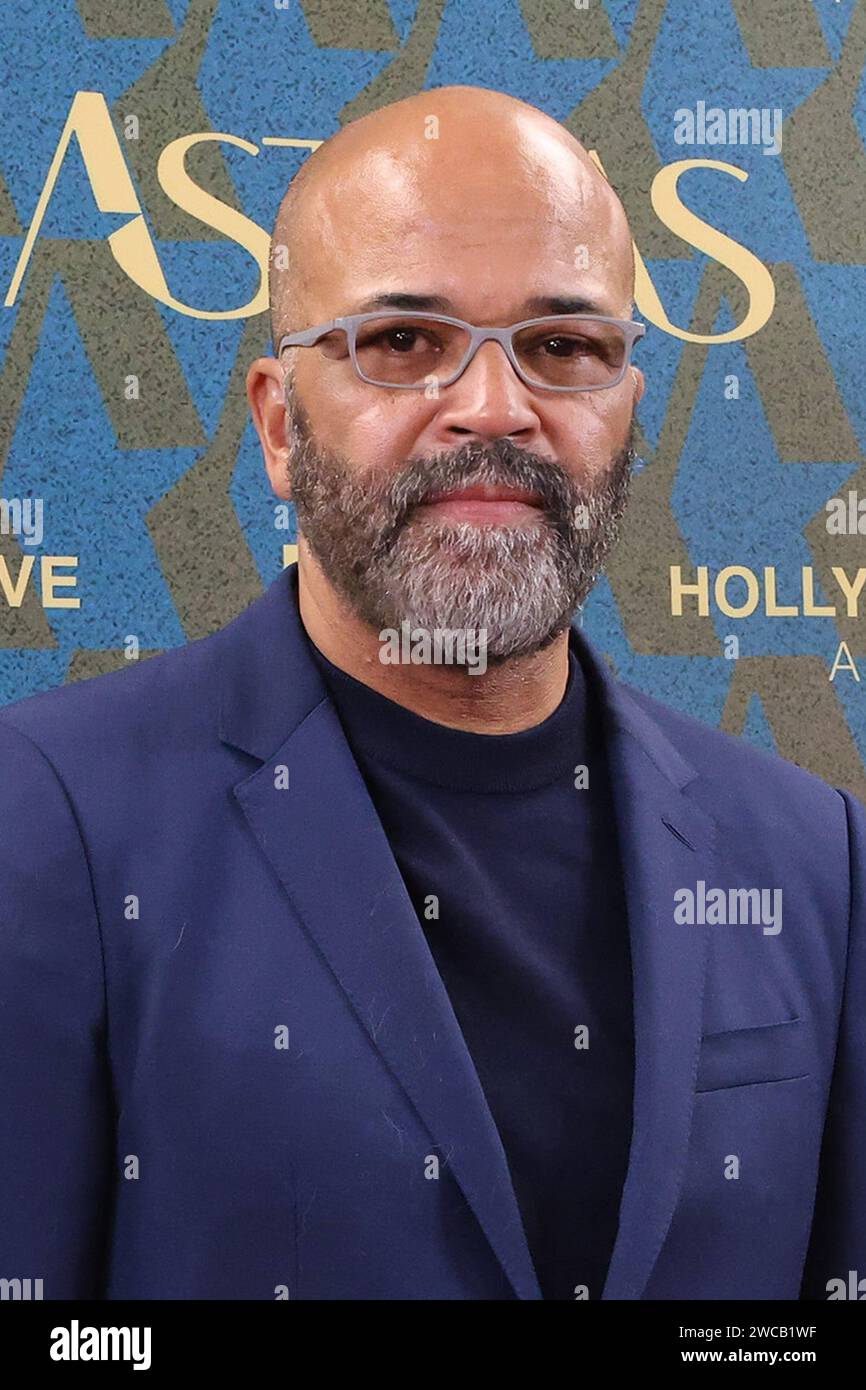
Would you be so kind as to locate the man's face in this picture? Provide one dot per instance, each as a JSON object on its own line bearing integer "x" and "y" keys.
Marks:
{"x": 365, "y": 462}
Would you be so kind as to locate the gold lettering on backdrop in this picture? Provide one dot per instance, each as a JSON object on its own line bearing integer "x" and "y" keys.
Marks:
{"x": 104, "y": 165}
{"x": 177, "y": 184}
{"x": 12, "y": 591}
{"x": 699, "y": 592}
{"x": 113, "y": 191}
{"x": 757, "y": 279}
{"x": 132, "y": 246}
{"x": 665, "y": 198}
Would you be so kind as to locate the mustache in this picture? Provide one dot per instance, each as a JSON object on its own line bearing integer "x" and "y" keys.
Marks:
{"x": 500, "y": 462}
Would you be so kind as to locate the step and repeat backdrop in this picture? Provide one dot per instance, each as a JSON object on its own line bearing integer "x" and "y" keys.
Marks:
{"x": 145, "y": 149}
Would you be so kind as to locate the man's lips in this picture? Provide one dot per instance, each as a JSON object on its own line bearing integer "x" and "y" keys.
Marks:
{"x": 489, "y": 503}
{"x": 486, "y": 492}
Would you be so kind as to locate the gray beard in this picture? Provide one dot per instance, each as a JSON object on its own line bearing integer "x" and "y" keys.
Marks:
{"x": 521, "y": 586}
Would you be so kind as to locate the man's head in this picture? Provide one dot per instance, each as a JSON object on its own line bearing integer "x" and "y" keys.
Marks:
{"x": 486, "y": 208}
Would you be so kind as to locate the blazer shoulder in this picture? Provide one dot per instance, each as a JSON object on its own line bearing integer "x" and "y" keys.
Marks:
{"x": 730, "y": 759}
{"x": 174, "y": 690}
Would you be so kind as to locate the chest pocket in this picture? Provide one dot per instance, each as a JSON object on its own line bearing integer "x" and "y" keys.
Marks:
{"x": 750, "y": 1056}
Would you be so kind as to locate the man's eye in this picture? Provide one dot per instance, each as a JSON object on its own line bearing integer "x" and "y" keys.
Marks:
{"x": 399, "y": 339}
{"x": 562, "y": 347}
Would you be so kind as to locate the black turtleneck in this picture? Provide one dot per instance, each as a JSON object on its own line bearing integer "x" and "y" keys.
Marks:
{"x": 514, "y": 874}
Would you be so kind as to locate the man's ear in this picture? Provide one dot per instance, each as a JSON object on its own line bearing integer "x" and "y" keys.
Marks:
{"x": 266, "y": 395}
{"x": 639, "y": 383}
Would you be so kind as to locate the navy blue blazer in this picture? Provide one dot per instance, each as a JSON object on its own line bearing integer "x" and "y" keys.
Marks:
{"x": 230, "y": 1068}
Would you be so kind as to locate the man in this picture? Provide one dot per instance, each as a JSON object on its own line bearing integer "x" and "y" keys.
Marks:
{"x": 339, "y": 964}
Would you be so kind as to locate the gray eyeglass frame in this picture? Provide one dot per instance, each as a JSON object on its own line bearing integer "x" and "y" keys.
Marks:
{"x": 350, "y": 324}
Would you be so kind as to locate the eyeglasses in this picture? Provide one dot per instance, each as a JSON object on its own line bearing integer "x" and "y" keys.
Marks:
{"x": 410, "y": 352}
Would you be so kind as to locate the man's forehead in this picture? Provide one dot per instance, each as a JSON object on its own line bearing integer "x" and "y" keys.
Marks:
{"x": 447, "y": 266}
{"x": 527, "y": 290}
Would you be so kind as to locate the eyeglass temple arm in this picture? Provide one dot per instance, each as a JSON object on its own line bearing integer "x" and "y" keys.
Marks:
{"x": 310, "y": 336}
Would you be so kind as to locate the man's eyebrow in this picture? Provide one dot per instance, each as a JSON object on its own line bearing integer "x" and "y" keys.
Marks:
{"x": 537, "y": 307}
{"x": 562, "y": 304}
{"x": 429, "y": 303}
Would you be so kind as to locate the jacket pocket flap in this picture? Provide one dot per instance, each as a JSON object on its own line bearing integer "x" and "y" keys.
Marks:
{"x": 746, "y": 1056}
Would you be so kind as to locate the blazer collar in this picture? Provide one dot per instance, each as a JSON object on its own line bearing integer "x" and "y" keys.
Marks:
{"x": 326, "y": 844}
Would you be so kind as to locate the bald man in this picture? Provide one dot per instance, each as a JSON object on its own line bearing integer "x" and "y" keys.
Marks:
{"x": 383, "y": 945}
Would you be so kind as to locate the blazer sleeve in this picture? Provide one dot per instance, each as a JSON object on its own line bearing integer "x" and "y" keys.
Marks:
{"x": 56, "y": 1109}
{"x": 838, "y": 1239}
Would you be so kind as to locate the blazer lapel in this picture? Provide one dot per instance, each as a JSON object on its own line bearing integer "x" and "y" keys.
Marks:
{"x": 666, "y": 842}
{"x": 324, "y": 840}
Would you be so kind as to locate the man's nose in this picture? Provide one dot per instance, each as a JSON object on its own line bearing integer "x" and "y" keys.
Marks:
{"x": 489, "y": 400}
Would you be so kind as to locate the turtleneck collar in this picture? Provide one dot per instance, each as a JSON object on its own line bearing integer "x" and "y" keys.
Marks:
{"x": 382, "y": 730}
